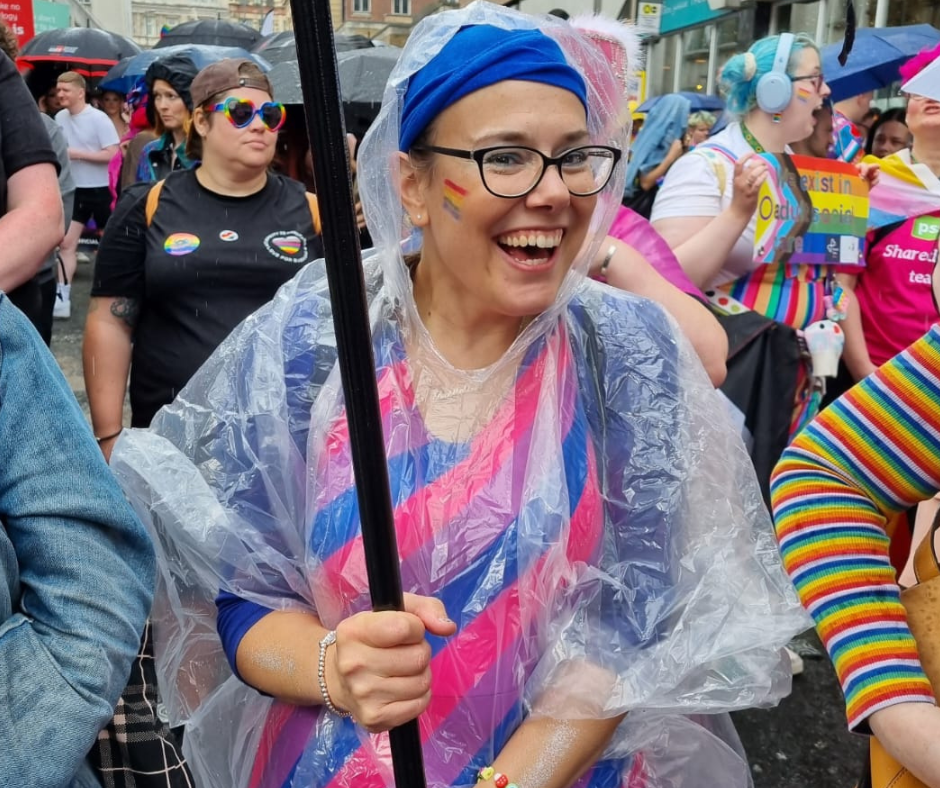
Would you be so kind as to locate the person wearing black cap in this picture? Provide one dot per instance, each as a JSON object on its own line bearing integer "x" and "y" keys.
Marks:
{"x": 170, "y": 111}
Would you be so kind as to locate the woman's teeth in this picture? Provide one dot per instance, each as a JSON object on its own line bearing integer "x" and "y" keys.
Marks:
{"x": 539, "y": 240}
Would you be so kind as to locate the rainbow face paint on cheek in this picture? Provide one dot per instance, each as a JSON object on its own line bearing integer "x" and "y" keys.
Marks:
{"x": 804, "y": 94}
{"x": 453, "y": 198}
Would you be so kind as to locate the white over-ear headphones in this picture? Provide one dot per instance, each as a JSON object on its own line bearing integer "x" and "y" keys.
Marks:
{"x": 775, "y": 88}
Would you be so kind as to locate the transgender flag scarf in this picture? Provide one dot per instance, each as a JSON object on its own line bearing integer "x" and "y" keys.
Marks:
{"x": 899, "y": 193}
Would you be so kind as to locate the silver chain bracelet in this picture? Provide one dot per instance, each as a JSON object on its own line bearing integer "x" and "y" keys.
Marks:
{"x": 328, "y": 640}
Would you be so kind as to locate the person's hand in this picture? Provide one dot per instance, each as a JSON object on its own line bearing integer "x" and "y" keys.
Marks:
{"x": 351, "y": 144}
{"x": 379, "y": 668}
{"x": 750, "y": 171}
{"x": 870, "y": 172}
{"x": 675, "y": 151}
{"x": 360, "y": 216}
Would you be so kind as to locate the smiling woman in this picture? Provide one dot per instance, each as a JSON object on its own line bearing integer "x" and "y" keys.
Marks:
{"x": 569, "y": 551}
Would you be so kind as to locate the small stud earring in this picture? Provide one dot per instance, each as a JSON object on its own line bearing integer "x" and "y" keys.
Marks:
{"x": 418, "y": 217}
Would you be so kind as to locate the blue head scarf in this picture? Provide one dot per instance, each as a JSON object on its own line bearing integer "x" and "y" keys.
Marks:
{"x": 475, "y": 58}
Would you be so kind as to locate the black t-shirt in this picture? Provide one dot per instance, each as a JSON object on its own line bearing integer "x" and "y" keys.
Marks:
{"x": 23, "y": 139}
{"x": 205, "y": 263}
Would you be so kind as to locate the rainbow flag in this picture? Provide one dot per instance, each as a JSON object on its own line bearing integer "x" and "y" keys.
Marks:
{"x": 899, "y": 193}
{"x": 811, "y": 212}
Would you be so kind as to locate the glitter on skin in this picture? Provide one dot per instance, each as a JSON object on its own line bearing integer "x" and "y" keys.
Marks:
{"x": 276, "y": 661}
{"x": 557, "y": 747}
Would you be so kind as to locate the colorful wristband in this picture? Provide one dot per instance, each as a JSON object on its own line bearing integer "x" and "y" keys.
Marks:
{"x": 499, "y": 780}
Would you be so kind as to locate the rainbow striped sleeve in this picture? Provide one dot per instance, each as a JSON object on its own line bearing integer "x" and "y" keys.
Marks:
{"x": 868, "y": 457}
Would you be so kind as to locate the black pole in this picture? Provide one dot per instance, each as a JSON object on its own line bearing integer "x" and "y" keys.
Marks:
{"x": 313, "y": 33}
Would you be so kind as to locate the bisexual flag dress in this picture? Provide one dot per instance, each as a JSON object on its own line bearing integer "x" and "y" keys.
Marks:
{"x": 584, "y": 510}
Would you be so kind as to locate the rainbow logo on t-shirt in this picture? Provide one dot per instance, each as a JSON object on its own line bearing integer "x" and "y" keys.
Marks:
{"x": 179, "y": 244}
{"x": 287, "y": 245}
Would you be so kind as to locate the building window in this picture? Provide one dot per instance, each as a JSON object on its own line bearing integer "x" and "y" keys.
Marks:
{"x": 362, "y": 6}
{"x": 402, "y": 7}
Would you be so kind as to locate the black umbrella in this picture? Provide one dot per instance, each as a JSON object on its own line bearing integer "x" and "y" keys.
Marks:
{"x": 353, "y": 336}
{"x": 89, "y": 51}
{"x": 217, "y": 32}
{"x": 363, "y": 73}
{"x": 280, "y": 47}
{"x": 362, "y": 77}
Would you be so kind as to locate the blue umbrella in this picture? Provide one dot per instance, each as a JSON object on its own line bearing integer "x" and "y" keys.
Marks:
{"x": 124, "y": 76}
{"x": 698, "y": 102}
{"x": 875, "y": 59}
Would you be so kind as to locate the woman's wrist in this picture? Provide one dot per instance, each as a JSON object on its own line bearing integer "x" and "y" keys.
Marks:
{"x": 328, "y": 676}
{"x": 107, "y": 435}
{"x": 600, "y": 270}
{"x": 491, "y": 776}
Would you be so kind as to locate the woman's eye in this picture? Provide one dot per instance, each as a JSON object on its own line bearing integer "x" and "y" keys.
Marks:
{"x": 577, "y": 158}
{"x": 504, "y": 159}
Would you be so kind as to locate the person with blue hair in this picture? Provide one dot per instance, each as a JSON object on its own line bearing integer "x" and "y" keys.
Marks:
{"x": 589, "y": 572}
{"x": 706, "y": 207}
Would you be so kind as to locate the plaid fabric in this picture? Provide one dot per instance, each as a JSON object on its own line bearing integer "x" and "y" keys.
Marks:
{"x": 137, "y": 749}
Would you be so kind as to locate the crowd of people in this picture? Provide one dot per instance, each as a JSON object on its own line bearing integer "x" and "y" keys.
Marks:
{"x": 603, "y": 550}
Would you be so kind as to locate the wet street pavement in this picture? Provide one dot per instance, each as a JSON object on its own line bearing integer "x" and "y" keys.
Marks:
{"x": 803, "y": 743}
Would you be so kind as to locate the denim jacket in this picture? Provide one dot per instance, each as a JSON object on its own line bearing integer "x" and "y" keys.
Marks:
{"x": 157, "y": 162}
{"x": 76, "y": 572}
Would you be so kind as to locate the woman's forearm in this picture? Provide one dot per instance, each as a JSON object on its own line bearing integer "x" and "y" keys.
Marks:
{"x": 702, "y": 245}
{"x": 550, "y": 753}
{"x": 279, "y": 655}
{"x": 629, "y": 270}
{"x": 106, "y": 361}
{"x": 910, "y": 732}
{"x": 648, "y": 179}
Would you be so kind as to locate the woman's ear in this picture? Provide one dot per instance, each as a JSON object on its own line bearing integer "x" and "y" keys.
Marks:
{"x": 411, "y": 188}
{"x": 200, "y": 120}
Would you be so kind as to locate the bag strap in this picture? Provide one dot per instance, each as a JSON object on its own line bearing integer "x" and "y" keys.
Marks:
{"x": 153, "y": 200}
{"x": 314, "y": 211}
{"x": 710, "y": 150}
{"x": 926, "y": 565}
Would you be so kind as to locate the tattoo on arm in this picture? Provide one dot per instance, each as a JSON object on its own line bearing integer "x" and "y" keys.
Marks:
{"x": 126, "y": 309}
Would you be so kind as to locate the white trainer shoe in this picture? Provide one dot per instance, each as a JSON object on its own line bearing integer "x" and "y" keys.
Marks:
{"x": 62, "y": 309}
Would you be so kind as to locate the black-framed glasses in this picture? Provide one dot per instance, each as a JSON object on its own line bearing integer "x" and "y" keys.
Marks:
{"x": 513, "y": 170}
{"x": 240, "y": 113}
{"x": 818, "y": 80}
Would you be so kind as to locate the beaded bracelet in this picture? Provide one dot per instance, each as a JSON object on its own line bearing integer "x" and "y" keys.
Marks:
{"x": 499, "y": 780}
{"x": 328, "y": 640}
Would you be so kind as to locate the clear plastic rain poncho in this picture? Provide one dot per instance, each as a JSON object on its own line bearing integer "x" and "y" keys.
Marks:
{"x": 583, "y": 508}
